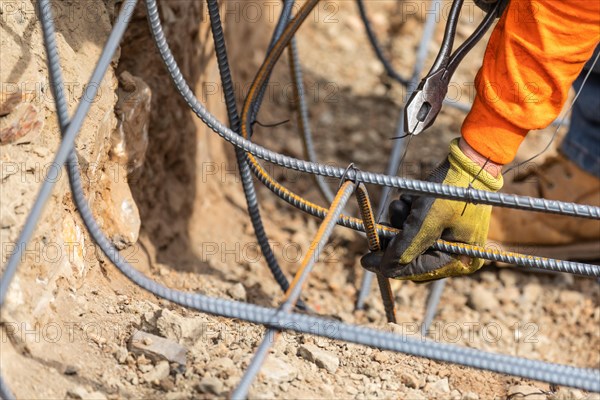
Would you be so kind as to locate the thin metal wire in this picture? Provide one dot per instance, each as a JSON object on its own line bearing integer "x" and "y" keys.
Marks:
{"x": 284, "y": 17}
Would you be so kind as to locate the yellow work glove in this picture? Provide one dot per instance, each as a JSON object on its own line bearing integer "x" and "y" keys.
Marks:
{"x": 408, "y": 255}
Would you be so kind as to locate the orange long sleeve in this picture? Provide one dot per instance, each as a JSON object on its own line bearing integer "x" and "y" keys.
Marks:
{"x": 536, "y": 51}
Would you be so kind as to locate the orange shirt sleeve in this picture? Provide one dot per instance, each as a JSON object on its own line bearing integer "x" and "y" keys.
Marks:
{"x": 536, "y": 51}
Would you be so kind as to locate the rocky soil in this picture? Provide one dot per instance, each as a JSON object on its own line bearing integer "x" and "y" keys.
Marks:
{"x": 94, "y": 335}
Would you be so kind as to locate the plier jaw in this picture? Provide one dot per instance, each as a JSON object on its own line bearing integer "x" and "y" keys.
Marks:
{"x": 426, "y": 101}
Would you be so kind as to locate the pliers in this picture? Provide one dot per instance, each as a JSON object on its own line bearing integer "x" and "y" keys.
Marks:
{"x": 425, "y": 103}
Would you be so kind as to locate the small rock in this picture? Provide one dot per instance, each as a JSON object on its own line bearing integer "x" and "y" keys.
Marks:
{"x": 237, "y": 292}
{"x": 120, "y": 353}
{"x": 381, "y": 357}
{"x": 145, "y": 367}
{"x": 222, "y": 364}
{"x": 471, "y": 395}
{"x": 186, "y": 331}
{"x": 158, "y": 373}
{"x": 524, "y": 392}
{"x": 321, "y": 358}
{"x": 71, "y": 370}
{"x": 284, "y": 387}
{"x": 121, "y": 214}
{"x": 371, "y": 371}
{"x": 455, "y": 395}
{"x": 78, "y": 392}
{"x": 159, "y": 349}
{"x": 278, "y": 370}
{"x": 386, "y": 376}
{"x": 409, "y": 380}
{"x": 24, "y": 119}
{"x": 167, "y": 385}
{"x": 482, "y": 299}
{"x": 439, "y": 386}
{"x": 564, "y": 393}
{"x": 142, "y": 360}
{"x": 131, "y": 377}
{"x": 208, "y": 384}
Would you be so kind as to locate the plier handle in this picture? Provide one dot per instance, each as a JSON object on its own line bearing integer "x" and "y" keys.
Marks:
{"x": 425, "y": 103}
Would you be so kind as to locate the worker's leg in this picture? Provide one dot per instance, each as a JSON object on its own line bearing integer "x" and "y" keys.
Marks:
{"x": 582, "y": 143}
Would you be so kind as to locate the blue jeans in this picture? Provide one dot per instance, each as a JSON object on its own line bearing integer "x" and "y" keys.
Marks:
{"x": 582, "y": 143}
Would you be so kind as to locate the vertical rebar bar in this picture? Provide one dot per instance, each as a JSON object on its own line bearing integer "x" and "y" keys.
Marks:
{"x": 366, "y": 211}
{"x": 295, "y": 289}
{"x": 433, "y": 300}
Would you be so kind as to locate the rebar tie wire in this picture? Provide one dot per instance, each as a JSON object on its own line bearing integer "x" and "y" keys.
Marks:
{"x": 366, "y": 211}
{"x": 588, "y": 379}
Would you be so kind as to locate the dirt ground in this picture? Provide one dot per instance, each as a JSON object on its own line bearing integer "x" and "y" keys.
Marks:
{"x": 354, "y": 109}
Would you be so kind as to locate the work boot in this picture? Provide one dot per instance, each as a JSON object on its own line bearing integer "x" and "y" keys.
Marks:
{"x": 543, "y": 234}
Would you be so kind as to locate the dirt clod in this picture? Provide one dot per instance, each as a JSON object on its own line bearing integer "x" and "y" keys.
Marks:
{"x": 210, "y": 384}
{"x": 157, "y": 348}
{"x": 322, "y": 358}
{"x": 277, "y": 370}
{"x": 523, "y": 392}
{"x": 157, "y": 373}
{"x": 438, "y": 386}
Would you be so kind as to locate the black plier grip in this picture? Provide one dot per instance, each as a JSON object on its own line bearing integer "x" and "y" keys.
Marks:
{"x": 425, "y": 103}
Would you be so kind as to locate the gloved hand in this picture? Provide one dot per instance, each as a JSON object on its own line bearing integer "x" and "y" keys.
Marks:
{"x": 423, "y": 220}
